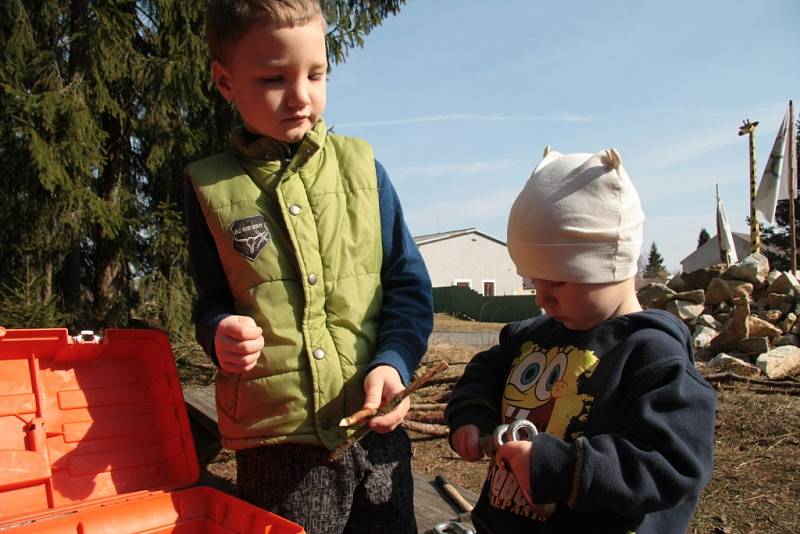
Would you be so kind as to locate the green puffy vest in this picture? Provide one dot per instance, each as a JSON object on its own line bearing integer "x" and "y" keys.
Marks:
{"x": 300, "y": 243}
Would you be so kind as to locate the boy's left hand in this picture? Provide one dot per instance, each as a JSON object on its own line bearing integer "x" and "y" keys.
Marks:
{"x": 517, "y": 455}
{"x": 380, "y": 386}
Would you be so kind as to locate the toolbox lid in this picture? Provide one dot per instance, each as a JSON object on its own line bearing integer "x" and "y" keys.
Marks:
{"x": 86, "y": 419}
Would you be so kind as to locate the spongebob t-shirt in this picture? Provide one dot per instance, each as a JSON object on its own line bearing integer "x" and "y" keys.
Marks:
{"x": 626, "y": 425}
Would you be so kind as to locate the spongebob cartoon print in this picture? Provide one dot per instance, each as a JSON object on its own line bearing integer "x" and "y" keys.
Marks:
{"x": 542, "y": 386}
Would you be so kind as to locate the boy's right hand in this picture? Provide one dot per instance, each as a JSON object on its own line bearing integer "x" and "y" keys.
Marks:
{"x": 465, "y": 442}
{"x": 238, "y": 343}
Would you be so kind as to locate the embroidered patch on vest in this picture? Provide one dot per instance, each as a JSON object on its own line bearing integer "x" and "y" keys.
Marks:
{"x": 250, "y": 235}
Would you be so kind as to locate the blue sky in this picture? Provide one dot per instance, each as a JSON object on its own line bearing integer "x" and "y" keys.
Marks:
{"x": 459, "y": 98}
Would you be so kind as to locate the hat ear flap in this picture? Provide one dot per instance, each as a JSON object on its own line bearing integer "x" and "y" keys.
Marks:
{"x": 548, "y": 156}
{"x": 610, "y": 158}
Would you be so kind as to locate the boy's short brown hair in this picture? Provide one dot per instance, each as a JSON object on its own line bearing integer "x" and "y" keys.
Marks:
{"x": 227, "y": 21}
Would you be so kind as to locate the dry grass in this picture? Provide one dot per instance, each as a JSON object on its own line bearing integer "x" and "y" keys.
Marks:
{"x": 447, "y": 323}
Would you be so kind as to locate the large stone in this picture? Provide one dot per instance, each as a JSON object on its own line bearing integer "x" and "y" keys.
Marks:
{"x": 678, "y": 284}
{"x": 684, "y": 310}
{"x": 784, "y": 283}
{"x": 700, "y": 278}
{"x": 736, "y": 328}
{"x": 725, "y": 363}
{"x": 740, "y": 288}
{"x": 761, "y": 328}
{"x": 754, "y": 269}
{"x": 708, "y": 320}
{"x": 718, "y": 291}
{"x": 654, "y": 295}
{"x": 780, "y": 362}
{"x": 780, "y": 301}
{"x": 695, "y": 296}
{"x": 702, "y": 336}
{"x": 788, "y": 322}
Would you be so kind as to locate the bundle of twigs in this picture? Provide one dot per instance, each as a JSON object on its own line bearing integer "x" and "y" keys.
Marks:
{"x": 790, "y": 386}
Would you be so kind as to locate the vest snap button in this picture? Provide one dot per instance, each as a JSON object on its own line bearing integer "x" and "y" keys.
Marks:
{"x": 318, "y": 354}
{"x": 294, "y": 209}
{"x": 312, "y": 279}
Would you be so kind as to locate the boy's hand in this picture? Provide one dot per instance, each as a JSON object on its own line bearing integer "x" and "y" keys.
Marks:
{"x": 381, "y": 385}
{"x": 238, "y": 343}
{"x": 465, "y": 442}
{"x": 517, "y": 456}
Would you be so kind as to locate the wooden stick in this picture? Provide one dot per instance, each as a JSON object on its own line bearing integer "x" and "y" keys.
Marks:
{"x": 386, "y": 408}
{"x": 358, "y": 417}
{"x": 428, "y": 429}
{"x": 790, "y": 138}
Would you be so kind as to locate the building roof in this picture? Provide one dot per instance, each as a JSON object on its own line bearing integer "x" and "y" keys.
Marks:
{"x": 708, "y": 253}
{"x": 441, "y": 236}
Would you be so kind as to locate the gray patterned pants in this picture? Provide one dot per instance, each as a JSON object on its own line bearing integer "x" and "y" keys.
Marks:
{"x": 369, "y": 490}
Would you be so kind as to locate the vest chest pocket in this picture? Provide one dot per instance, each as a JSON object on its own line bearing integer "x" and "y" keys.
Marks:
{"x": 254, "y": 247}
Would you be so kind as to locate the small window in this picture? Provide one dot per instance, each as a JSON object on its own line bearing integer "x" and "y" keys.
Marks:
{"x": 462, "y": 283}
{"x": 488, "y": 288}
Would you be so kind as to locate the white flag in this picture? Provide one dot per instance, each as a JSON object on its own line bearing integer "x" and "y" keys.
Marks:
{"x": 774, "y": 184}
{"x": 727, "y": 249}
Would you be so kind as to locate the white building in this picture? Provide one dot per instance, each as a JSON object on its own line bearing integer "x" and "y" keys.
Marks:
{"x": 708, "y": 253}
{"x": 472, "y": 259}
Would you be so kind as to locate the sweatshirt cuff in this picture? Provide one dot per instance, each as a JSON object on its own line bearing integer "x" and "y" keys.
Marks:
{"x": 398, "y": 357}
{"x": 206, "y": 331}
{"x": 555, "y": 469}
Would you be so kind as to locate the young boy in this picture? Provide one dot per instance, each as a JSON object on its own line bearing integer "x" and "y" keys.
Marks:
{"x": 313, "y": 299}
{"x": 625, "y": 423}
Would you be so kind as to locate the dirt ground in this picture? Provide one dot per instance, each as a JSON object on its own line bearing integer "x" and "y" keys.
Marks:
{"x": 756, "y": 482}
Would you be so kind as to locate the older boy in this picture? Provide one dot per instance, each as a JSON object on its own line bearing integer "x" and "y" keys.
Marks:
{"x": 625, "y": 421}
{"x": 312, "y": 297}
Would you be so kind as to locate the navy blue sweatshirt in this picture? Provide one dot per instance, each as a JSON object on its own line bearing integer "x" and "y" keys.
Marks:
{"x": 406, "y": 317}
{"x": 626, "y": 422}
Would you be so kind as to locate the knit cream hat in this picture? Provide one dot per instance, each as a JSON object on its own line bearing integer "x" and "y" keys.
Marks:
{"x": 578, "y": 219}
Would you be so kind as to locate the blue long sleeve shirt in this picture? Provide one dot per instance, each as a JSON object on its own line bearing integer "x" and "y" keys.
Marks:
{"x": 406, "y": 317}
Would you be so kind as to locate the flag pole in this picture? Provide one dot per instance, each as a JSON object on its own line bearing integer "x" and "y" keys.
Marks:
{"x": 791, "y": 180}
{"x": 748, "y": 128}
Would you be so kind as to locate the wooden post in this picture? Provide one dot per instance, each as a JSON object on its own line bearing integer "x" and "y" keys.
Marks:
{"x": 748, "y": 128}
{"x": 792, "y": 182}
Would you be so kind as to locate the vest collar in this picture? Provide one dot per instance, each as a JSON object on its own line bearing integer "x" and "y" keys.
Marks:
{"x": 270, "y": 149}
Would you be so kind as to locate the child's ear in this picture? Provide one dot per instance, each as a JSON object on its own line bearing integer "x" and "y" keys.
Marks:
{"x": 222, "y": 80}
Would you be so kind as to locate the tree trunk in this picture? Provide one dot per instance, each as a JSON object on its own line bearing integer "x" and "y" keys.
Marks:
{"x": 108, "y": 257}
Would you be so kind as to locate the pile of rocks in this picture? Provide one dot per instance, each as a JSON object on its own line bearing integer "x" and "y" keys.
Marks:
{"x": 743, "y": 317}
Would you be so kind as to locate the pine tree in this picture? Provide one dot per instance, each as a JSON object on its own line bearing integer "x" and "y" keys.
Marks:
{"x": 102, "y": 104}
{"x": 702, "y": 238}
{"x": 655, "y": 268}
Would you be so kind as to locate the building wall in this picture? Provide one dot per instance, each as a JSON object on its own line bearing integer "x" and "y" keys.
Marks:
{"x": 473, "y": 258}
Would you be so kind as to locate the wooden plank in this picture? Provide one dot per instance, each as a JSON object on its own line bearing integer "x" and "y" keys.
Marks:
{"x": 431, "y": 506}
{"x": 202, "y": 410}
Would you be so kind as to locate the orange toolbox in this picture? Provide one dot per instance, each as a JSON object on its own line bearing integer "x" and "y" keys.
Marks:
{"x": 94, "y": 439}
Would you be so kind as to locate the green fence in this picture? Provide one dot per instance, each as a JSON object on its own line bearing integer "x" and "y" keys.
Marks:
{"x": 466, "y": 303}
